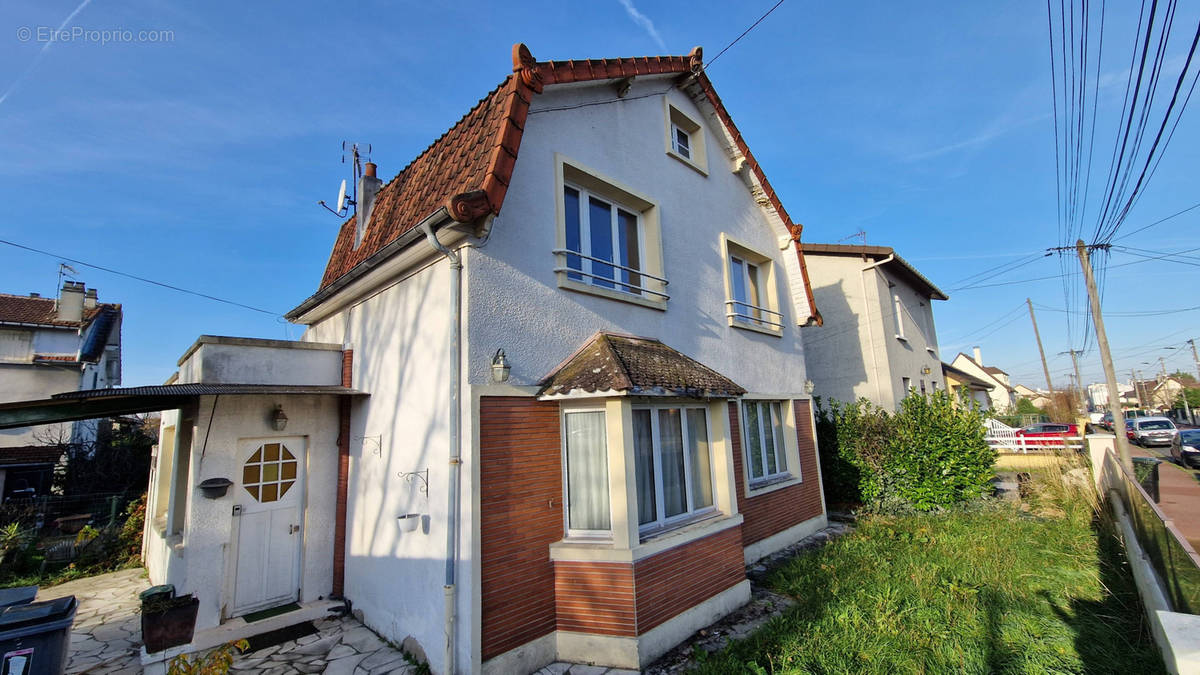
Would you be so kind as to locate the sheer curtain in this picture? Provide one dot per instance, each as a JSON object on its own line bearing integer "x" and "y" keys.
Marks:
{"x": 670, "y": 436}
{"x": 643, "y": 446}
{"x": 702, "y": 494}
{"x": 587, "y": 472}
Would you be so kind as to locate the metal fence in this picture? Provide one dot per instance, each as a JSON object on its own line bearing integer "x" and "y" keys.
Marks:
{"x": 1174, "y": 560}
{"x": 66, "y": 514}
{"x": 1004, "y": 438}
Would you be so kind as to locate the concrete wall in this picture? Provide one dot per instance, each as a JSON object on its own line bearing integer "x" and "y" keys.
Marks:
{"x": 29, "y": 382}
{"x": 514, "y": 300}
{"x": 58, "y": 342}
{"x": 401, "y": 358}
{"x": 223, "y": 360}
{"x": 856, "y": 353}
{"x": 202, "y": 562}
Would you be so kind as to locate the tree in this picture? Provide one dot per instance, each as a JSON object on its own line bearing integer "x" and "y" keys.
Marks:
{"x": 1186, "y": 378}
{"x": 1026, "y": 407}
{"x": 1193, "y": 398}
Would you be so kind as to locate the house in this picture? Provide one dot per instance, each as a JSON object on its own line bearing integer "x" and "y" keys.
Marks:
{"x": 1037, "y": 398}
{"x": 1098, "y": 395}
{"x": 1002, "y": 397}
{"x": 549, "y": 401}
{"x": 48, "y": 346}
{"x": 878, "y": 340}
{"x": 1164, "y": 392}
{"x": 965, "y": 387}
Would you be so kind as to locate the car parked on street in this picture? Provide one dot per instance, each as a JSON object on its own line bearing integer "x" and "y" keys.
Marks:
{"x": 1048, "y": 433}
{"x": 1186, "y": 448}
{"x": 1147, "y": 431}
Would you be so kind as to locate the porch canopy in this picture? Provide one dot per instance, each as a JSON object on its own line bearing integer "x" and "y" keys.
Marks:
{"x": 610, "y": 364}
{"x": 92, "y": 403}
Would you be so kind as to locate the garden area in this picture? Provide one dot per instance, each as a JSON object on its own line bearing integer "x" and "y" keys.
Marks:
{"x": 939, "y": 577}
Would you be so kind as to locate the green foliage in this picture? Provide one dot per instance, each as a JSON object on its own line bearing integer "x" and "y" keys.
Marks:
{"x": 927, "y": 456}
{"x": 1026, "y": 407}
{"x": 215, "y": 662}
{"x": 987, "y": 588}
{"x": 1193, "y": 398}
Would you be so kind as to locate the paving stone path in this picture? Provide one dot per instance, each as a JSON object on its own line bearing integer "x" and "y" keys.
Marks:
{"x": 341, "y": 646}
{"x": 107, "y": 634}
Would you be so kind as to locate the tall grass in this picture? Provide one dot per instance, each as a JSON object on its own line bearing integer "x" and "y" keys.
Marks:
{"x": 1041, "y": 587}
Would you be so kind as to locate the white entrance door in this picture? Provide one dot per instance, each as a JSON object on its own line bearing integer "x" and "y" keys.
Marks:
{"x": 267, "y": 523}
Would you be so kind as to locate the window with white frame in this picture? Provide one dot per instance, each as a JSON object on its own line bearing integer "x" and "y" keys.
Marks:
{"x": 673, "y": 464}
{"x": 685, "y": 138}
{"x": 750, "y": 283}
{"x": 586, "y": 473}
{"x": 899, "y": 312}
{"x": 766, "y": 453}
{"x": 681, "y": 141}
{"x": 604, "y": 241}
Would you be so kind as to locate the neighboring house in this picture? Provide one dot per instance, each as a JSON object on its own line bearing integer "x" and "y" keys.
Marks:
{"x": 1164, "y": 393}
{"x": 1002, "y": 397}
{"x": 550, "y": 400}
{"x": 27, "y": 471}
{"x": 878, "y": 340}
{"x": 964, "y": 386}
{"x": 1037, "y": 398}
{"x": 1098, "y": 395}
{"x": 50, "y": 346}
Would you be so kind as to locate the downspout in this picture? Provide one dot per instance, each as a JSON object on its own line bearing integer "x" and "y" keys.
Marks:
{"x": 862, "y": 277}
{"x": 455, "y": 478}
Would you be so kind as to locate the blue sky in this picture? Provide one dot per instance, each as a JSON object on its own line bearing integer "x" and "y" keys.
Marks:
{"x": 197, "y": 159}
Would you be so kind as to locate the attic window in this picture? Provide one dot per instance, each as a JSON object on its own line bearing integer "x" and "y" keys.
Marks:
{"x": 685, "y": 138}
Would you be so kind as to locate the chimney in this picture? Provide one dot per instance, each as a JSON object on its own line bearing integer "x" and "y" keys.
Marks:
{"x": 35, "y": 295}
{"x": 978, "y": 357}
{"x": 70, "y": 301}
{"x": 368, "y": 187}
{"x": 90, "y": 299}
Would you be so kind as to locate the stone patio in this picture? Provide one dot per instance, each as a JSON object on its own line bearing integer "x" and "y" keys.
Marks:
{"x": 107, "y": 634}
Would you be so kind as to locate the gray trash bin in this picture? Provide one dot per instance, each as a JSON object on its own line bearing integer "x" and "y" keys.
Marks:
{"x": 35, "y": 637}
{"x": 22, "y": 595}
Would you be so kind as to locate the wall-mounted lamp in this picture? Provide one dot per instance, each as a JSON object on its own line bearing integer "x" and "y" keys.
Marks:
{"x": 925, "y": 370}
{"x": 279, "y": 420}
{"x": 809, "y": 387}
{"x": 500, "y": 367}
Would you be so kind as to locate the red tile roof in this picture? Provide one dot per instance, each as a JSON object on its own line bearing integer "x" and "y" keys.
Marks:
{"x": 30, "y": 454}
{"x": 41, "y": 311}
{"x": 475, "y": 158}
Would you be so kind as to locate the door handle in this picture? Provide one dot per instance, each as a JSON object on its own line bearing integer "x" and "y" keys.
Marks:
{"x": 293, "y": 529}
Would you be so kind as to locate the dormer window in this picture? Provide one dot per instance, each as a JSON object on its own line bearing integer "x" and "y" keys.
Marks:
{"x": 681, "y": 141}
{"x": 685, "y": 138}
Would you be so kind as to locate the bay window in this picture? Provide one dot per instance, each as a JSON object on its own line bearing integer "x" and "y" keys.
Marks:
{"x": 765, "y": 440}
{"x": 673, "y": 464}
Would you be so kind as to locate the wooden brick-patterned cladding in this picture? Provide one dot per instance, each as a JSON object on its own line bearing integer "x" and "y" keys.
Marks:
{"x": 776, "y": 511}
{"x": 343, "y": 477}
{"x": 520, "y": 516}
{"x": 685, "y": 576}
{"x": 595, "y": 597}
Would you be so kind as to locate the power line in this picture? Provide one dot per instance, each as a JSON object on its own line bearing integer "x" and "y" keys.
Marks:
{"x": 744, "y": 33}
{"x": 1157, "y": 222}
{"x": 137, "y": 278}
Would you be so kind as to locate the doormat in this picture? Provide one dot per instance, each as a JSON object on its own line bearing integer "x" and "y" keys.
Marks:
{"x": 280, "y": 636}
{"x": 268, "y": 613}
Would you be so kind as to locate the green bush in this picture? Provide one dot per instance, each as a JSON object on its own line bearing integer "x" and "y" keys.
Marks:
{"x": 927, "y": 456}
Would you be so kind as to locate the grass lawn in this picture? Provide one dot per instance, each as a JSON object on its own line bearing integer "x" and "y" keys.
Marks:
{"x": 987, "y": 589}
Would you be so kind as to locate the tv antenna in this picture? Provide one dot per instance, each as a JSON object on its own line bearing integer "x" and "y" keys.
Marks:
{"x": 344, "y": 202}
{"x": 861, "y": 234}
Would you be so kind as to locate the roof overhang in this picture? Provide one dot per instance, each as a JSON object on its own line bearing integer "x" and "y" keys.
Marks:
{"x": 93, "y": 403}
{"x": 896, "y": 265}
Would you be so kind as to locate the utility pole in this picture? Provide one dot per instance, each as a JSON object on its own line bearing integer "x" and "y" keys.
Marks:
{"x": 1037, "y": 336}
{"x": 1110, "y": 375}
{"x": 1195, "y": 357}
{"x": 1078, "y": 380}
{"x": 1163, "y": 364}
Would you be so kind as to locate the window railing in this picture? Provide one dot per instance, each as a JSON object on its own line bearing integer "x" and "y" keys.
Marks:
{"x": 612, "y": 279}
{"x": 735, "y": 314}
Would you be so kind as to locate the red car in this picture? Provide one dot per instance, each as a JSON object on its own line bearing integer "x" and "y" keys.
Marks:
{"x": 1048, "y": 434}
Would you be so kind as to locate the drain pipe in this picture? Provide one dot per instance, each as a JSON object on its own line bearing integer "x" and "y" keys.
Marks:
{"x": 455, "y": 479}
{"x": 862, "y": 277}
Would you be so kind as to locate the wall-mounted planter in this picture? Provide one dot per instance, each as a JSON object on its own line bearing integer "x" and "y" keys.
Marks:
{"x": 168, "y": 623}
{"x": 409, "y": 521}
{"x": 215, "y": 488}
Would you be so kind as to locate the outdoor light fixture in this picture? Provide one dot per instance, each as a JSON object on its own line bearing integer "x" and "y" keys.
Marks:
{"x": 809, "y": 387}
{"x": 279, "y": 419}
{"x": 925, "y": 370}
{"x": 500, "y": 367}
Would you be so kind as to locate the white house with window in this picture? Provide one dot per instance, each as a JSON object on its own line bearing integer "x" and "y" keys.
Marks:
{"x": 573, "y": 398}
{"x": 878, "y": 340}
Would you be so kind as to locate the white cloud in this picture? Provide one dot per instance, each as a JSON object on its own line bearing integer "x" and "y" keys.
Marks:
{"x": 645, "y": 22}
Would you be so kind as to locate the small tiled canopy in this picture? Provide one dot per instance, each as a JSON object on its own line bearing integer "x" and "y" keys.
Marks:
{"x": 635, "y": 366}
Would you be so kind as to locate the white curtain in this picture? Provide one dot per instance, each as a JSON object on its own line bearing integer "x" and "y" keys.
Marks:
{"x": 587, "y": 472}
{"x": 670, "y": 435}
{"x": 702, "y": 495}
{"x": 643, "y": 446}
{"x": 777, "y": 418}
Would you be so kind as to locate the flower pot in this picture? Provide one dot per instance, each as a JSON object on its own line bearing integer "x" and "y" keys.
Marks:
{"x": 409, "y": 522}
{"x": 215, "y": 488}
{"x": 169, "y": 623}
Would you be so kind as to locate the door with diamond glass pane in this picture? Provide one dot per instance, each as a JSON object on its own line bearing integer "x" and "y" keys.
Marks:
{"x": 267, "y": 523}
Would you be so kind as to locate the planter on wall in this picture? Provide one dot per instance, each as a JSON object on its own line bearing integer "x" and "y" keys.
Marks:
{"x": 169, "y": 623}
{"x": 215, "y": 488}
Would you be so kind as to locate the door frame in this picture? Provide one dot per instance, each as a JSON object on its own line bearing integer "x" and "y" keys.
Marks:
{"x": 229, "y": 583}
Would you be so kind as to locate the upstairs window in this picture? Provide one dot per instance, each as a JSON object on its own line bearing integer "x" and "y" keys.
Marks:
{"x": 608, "y": 240}
{"x": 899, "y": 312}
{"x": 685, "y": 138}
{"x": 745, "y": 282}
{"x": 681, "y": 141}
{"x": 751, "y": 300}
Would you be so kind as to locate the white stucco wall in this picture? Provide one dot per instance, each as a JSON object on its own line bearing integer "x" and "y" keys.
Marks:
{"x": 203, "y": 564}
{"x": 30, "y": 382}
{"x": 64, "y": 342}
{"x": 221, "y": 360}
{"x": 400, "y": 339}
{"x": 919, "y": 350}
{"x": 515, "y": 303}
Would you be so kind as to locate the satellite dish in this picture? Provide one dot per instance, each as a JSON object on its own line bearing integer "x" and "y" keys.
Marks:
{"x": 341, "y": 202}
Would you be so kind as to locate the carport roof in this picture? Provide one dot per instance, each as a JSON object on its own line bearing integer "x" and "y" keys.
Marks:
{"x": 92, "y": 403}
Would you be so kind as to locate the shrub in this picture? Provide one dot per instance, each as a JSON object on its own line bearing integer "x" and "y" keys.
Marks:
{"x": 926, "y": 456}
